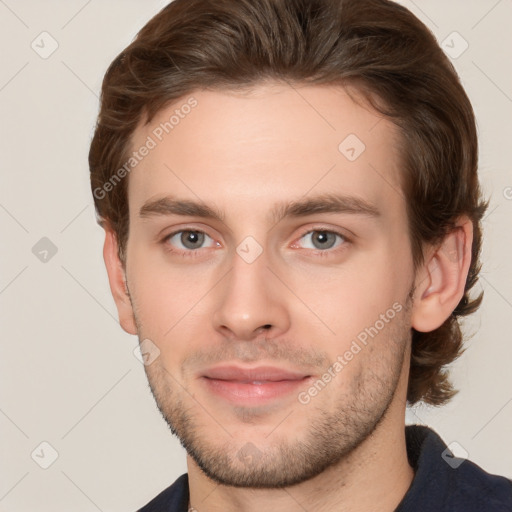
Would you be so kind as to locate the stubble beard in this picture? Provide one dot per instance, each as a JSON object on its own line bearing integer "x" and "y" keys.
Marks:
{"x": 292, "y": 457}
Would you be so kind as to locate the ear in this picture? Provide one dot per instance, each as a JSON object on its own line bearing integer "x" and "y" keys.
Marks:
{"x": 441, "y": 280}
{"x": 117, "y": 280}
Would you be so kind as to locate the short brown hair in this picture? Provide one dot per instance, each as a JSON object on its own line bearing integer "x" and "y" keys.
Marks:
{"x": 377, "y": 46}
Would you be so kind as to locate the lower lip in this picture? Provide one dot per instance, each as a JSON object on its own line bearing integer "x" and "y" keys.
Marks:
{"x": 245, "y": 392}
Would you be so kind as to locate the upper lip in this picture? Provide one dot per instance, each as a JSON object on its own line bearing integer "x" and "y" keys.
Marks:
{"x": 260, "y": 373}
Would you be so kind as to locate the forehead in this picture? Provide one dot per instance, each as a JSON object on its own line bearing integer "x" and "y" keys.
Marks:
{"x": 273, "y": 142}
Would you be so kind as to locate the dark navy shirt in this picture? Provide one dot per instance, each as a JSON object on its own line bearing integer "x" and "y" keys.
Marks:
{"x": 441, "y": 482}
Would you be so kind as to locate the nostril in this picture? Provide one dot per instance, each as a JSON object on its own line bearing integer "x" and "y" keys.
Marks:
{"x": 263, "y": 328}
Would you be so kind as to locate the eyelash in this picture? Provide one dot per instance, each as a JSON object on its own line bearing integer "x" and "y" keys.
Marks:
{"x": 317, "y": 253}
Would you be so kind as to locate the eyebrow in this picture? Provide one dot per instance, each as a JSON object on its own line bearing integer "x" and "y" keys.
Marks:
{"x": 325, "y": 203}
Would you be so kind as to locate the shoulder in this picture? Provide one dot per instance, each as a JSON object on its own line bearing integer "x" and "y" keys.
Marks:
{"x": 443, "y": 482}
{"x": 476, "y": 489}
{"x": 172, "y": 499}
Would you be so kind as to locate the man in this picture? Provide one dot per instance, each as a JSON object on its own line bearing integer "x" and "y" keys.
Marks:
{"x": 292, "y": 213}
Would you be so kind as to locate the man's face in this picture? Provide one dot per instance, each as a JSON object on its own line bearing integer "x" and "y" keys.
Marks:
{"x": 252, "y": 311}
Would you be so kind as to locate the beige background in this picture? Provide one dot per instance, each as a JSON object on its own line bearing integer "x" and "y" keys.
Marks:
{"x": 68, "y": 373}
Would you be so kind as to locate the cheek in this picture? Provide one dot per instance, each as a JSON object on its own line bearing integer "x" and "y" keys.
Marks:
{"x": 351, "y": 296}
{"x": 165, "y": 295}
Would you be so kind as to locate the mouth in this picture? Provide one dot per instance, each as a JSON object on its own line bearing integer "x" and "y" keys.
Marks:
{"x": 252, "y": 385}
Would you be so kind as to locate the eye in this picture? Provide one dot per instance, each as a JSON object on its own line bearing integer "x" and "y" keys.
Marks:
{"x": 322, "y": 239}
{"x": 187, "y": 240}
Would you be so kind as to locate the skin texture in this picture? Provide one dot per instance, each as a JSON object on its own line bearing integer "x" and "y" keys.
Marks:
{"x": 203, "y": 304}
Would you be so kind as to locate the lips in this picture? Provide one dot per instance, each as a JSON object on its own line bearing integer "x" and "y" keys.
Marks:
{"x": 252, "y": 385}
{"x": 261, "y": 374}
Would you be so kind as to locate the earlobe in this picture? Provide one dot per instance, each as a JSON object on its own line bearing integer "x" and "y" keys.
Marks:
{"x": 116, "y": 278}
{"x": 440, "y": 283}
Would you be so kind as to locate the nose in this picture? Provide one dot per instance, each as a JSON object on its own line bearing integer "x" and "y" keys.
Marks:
{"x": 251, "y": 302}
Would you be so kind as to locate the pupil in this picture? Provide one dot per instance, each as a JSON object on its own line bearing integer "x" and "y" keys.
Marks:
{"x": 191, "y": 238}
{"x": 323, "y": 237}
